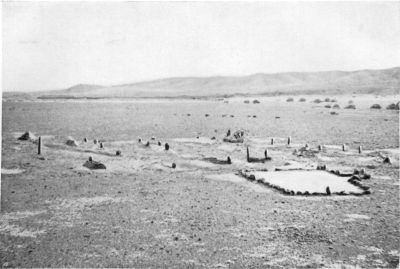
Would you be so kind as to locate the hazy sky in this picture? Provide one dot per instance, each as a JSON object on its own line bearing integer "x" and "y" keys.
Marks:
{"x": 49, "y": 45}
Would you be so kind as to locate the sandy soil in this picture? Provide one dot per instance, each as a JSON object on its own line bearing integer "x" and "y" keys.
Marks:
{"x": 140, "y": 212}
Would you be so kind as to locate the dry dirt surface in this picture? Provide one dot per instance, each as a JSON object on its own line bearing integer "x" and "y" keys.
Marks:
{"x": 141, "y": 212}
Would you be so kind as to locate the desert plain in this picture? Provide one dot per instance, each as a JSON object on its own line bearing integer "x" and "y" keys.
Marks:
{"x": 140, "y": 212}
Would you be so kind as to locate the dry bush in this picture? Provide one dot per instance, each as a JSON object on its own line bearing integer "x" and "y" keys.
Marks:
{"x": 317, "y": 101}
{"x": 256, "y": 101}
{"x": 351, "y": 106}
{"x": 327, "y": 99}
{"x": 246, "y": 102}
{"x": 336, "y": 106}
{"x": 290, "y": 99}
{"x": 376, "y": 106}
{"x": 393, "y": 106}
{"x": 302, "y": 99}
{"x": 328, "y": 106}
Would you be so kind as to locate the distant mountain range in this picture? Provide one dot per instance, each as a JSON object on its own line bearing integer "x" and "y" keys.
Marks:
{"x": 385, "y": 81}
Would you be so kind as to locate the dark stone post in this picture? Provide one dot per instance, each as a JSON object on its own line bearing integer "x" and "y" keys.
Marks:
{"x": 39, "y": 145}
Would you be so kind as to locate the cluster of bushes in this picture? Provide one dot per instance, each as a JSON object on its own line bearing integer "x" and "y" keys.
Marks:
{"x": 393, "y": 106}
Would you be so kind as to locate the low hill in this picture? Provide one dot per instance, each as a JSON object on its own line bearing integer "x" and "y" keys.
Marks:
{"x": 386, "y": 81}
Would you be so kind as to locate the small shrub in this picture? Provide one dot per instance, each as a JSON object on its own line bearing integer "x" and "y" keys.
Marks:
{"x": 328, "y": 106}
{"x": 290, "y": 99}
{"x": 246, "y": 101}
{"x": 376, "y": 106}
{"x": 350, "y": 102}
{"x": 317, "y": 101}
{"x": 327, "y": 99}
{"x": 336, "y": 106}
{"x": 302, "y": 99}
{"x": 351, "y": 106}
{"x": 334, "y": 113}
{"x": 256, "y": 101}
{"x": 333, "y": 101}
{"x": 393, "y": 107}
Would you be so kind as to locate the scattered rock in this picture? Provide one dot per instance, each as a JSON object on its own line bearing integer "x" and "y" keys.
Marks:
{"x": 237, "y": 137}
{"x": 71, "y": 142}
{"x": 387, "y": 160}
{"x": 93, "y": 165}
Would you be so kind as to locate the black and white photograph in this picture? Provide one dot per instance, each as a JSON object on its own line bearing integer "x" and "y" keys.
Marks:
{"x": 200, "y": 134}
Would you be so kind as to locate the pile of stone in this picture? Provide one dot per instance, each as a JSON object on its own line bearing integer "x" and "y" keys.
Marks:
{"x": 305, "y": 151}
{"x": 28, "y": 136}
{"x": 93, "y": 165}
{"x": 236, "y": 137}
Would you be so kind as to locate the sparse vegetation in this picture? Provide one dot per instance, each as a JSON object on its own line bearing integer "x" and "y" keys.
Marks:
{"x": 256, "y": 101}
{"x": 334, "y": 113}
{"x": 393, "y": 106}
{"x": 290, "y": 99}
{"x": 246, "y": 101}
{"x": 351, "y": 106}
{"x": 336, "y": 106}
{"x": 327, "y": 99}
{"x": 328, "y": 106}
{"x": 376, "y": 106}
{"x": 302, "y": 99}
{"x": 317, "y": 101}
